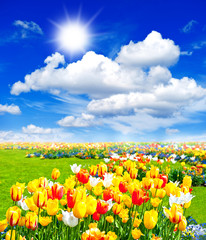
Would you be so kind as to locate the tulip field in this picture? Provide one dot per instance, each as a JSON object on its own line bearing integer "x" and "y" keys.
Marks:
{"x": 102, "y": 191}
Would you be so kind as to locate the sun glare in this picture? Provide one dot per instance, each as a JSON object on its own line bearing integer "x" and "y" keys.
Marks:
{"x": 73, "y": 37}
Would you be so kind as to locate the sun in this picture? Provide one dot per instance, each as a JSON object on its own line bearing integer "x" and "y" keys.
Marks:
{"x": 73, "y": 37}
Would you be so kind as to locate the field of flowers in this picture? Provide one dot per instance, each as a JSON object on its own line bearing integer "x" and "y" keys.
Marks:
{"x": 136, "y": 191}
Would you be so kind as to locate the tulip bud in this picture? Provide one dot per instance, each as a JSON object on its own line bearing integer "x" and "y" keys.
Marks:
{"x": 183, "y": 224}
{"x": 79, "y": 209}
{"x": 57, "y": 191}
{"x": 150, "y": 219}
{"x": 91, "y": 203}
{"x": 40, "y": 198}
{"x": 31, "y": 220}
{"x": 16, "y": 193}
{"x": 13, "y": 215}
{"x": 52, "y": 207}
{"x": 55, "y": 173}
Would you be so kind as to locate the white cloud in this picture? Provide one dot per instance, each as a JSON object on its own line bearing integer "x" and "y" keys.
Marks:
{"x": 12, "y": 109}
{"x": 86, "y": 120}
{"x": 163, "y": 101}
{"x": 134, "y": 93}
{"x": 32, "y": 129}
{"x": 171, "y": 131}
{"x": 154, "y": 50}
{"x": 188, "y": 27}
{"x": 28, "y": 28}
{"x": 98, "y": 76}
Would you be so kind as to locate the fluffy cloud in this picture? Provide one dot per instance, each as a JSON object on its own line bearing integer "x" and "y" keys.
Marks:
{"x": 98, "y": 76}
{"x": 188, "y": 27}
{"x": 86, "y": 120}
{"x": 32, "y": 129}
{"x": 125, "y": 94}
{"x": 12, "y": 109}
{"x": 154, "y": 50}
{"x": 163, "y": 101}
{"x": 28, "y": 28}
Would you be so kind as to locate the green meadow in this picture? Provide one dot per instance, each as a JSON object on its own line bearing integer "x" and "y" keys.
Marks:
{"x": 15, "y": 167}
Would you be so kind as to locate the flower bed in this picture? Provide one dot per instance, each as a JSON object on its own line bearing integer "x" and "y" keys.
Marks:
{"x": 124, "y": 198}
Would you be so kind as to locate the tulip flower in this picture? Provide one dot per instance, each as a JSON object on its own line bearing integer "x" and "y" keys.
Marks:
{"x": 71, "y": 198}
{"x": 150, "y": 219}
{"x": 13, "y": 215}
{"x": 108, "y": 194}
{"x": 102, "y": 206}
{"x": 40, "y": 198}
{"x": 110, "y": 219}
{"x": 52, "y": 207}
{"x": 187, "y": 181}
{"x": 69, "y": 219}
{"x": 139, "y": 196}
{"x": 119, "y": 170}
{"x": 117, "y": 208}
{"x": 147, "y": 183}
{"x": 136, "y": 233}
{"x": 155, "y": 202}
{"x": 183, "y": 224}
{"x": 158, "y": 183}
{"x": 164, "y": 178}
{"x": 107, "y": 182}
{"x": 127, "y": 200}
{"x": 175, "y": 214}
{"x": 170, "y": 187}
{"x": 91, "y": 203}
{"x": 21, "y": 222}
{"x": 102, "y": 170}
{"x": 16, "y": 193}
{"x": 133, "y": 173}
{"x": 123, "y": 186}
{"x": 93, "y": 170}
{"x": 75, "y": 168}
{"x": 55, "y": 173}
{"x": 118, "y": 197}
{"x": 96, "y": 216}
{"x": 31, "y": 205}
{"x": 137, "y": 222}
{"x": 79, "y": 209}
{"x": 94, "y": 181}
{"x": 33, "y": 185}
{"x": 57, "y": 191}
{"x": 43, "y": 182}
{"x": 110, "y": 236}
{"x": 45, "y": 221}
{"x": 83, "y": 176}
{"x": 154, "y": 172}
{"x": 31, "y": 220}
{"x": 3, "y": 225}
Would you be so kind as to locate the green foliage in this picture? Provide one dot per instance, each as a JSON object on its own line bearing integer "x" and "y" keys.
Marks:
{"x": 176, "y": 175}
{"x": 197, "y": 180}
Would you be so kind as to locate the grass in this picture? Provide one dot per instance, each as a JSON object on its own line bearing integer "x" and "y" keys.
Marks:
{"x": 16, "y": 168}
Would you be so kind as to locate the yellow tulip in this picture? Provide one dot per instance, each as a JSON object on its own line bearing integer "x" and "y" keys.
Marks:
{"x": 52, "y": 207}
{"x": 175, "y": 214}
{"x": 154, "y": 172}
{"x": 187, "y": 205}
{"x": 40, "y": 198}
{"x": 136, "y": 233}
{"x": 33, "y": 185}
{"x": 13, "y": 215}
{"x": 79, "y": 209}
{"x": 183, "y": 224}
{"x": 137, "y": 222}
{"x": 155, "y": 202}
{"x": 170, "y": 187}
{"x": 110, "y": 219}
{"x": 3, "y": 225}
{"x": 187, "y": 181}
{"x": 30, "y": 204}
{"x": 55, "y": 173}
{"x": 16, "y": 193}
{"x": 150, "y": 219}
{"x": 147, "y": 183}
{"x": 117, "y": 208}
{"x": 44, "y": 221}
{"x": 31, "y": 220}
{"x": 21, "y": 222}
{"x": 119, "y": 170}
{"x": 97, "y": 190}
{"x": 91, "y": 203}
{"x": 158, "y": 183}
{"x": 160, "y": 193}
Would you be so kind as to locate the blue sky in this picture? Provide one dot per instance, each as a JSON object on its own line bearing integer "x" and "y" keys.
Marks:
{"x": 140, "y": 76}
